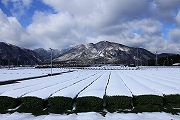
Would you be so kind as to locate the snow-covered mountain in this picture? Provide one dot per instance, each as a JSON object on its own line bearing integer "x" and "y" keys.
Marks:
{"x": 99, "y": 53}
{"x": 16, "y": 55}
{"x": 46, "y": 54}
{"x": 105, "y": 52}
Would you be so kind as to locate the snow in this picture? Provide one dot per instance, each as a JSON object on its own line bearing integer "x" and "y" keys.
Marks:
{"x": 149, "y": 81}
{"x": 23, "y": 72}
{"x": 121, "y": 82}
{"x": 161, "y": 88}
{"x": 24, "y": 87}
{"x": 97, "y": 88}
{"x": 73, "y": 90}
{"x": 92, "y": 116}
{"x": 49, "y": 91}
{"x": 136, "y": 87}
{"x": 116, "y": 87}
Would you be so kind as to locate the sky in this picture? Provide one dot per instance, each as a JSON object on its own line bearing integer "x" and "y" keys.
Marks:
{"x": 58, "y": 24}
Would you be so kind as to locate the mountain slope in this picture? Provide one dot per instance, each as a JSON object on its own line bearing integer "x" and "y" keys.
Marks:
{"x": 105, "y": 52}
{"x": 46, "y": 54}
{"x": 16, "y": 55}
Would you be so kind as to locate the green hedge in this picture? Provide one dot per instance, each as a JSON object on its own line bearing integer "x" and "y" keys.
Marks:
{"x": 148, "y": 103}
{"x": 172, "y": 100}
{"x": 60, "y": 104}
{"x": 8, "y": 103}
{"x": 33, "y": 105}
{"x": 115, "y": 103}
{"x": 89, "y": 103}
{"x": 148, "y": 100}
{"x": 31, "y": 102}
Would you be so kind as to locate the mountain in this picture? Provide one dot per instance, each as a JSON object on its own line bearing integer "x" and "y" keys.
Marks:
{"x": 11, "y": 54}
{"x": 46, "y": 54}
{"x": 164, "y": 55}
{"x": 105, "y": 52}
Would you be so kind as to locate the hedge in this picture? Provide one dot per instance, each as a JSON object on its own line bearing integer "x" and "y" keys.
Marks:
{"x": 60, "y": 104}
{"x": 115, "y": 103}
{"x": 172, "y": 100}
{"x": 32, "y": 102}
{"x": 148, "y": 103}
{"x": 8, "y": 103}
{"x": 148, "y": 100}
{"x": 89, "y": 103}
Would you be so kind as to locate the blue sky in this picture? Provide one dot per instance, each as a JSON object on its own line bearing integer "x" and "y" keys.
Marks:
{"x": 150, "y": 24}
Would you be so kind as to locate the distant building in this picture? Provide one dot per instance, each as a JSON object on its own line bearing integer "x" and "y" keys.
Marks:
{"x": 176, "y": 64}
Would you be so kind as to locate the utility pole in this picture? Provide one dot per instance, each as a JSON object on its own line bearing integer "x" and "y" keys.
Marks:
{"x": 51, "y": 60}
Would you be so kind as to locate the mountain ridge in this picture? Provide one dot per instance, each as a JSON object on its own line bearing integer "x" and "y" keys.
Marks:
{"x": 105, "y": 51}
{"x": 91, "y": 53}
{"x": 12, "y": 54}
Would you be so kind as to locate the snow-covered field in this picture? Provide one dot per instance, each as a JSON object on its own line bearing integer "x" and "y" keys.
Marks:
{"x": 132, "y": 82}
{"x": 19, "y": 73}
{"x": 92, "y": 116}
{"x": 92, "y": 82}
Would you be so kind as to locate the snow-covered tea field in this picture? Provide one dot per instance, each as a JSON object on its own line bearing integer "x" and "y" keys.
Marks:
{"x": 109, "y": 89}
{"x": 20, "y": 73}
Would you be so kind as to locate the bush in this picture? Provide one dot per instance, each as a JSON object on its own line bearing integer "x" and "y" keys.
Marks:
{"x": 89, "y": 103}
{"x": 115, "y": 103}
{"x": 8, "y": 102}
{"x": 31, "y": 102}
{"x": 148, "y": 100}
{"x": 172, "y": 100}
{"x": 60, "y": 104}
{"x": 148, "y": 103}
{"x": 33, "y": 105}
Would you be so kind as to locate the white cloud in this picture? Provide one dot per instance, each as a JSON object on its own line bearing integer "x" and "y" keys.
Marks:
{"x": 167, "y": 4}
{"x": 81, "y": 22}
{"x": 25, "y": 3}
{"x": 165, "y": 10}
{"x": 10, "y": 28}
{"x": 19, "y": 6}
{"x": 174, "y": 35}
{"x": 178, "y": 18}
{"x": 12, "y": 32}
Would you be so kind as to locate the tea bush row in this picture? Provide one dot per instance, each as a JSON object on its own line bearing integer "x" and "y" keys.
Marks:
{"x": 62, "y": 104}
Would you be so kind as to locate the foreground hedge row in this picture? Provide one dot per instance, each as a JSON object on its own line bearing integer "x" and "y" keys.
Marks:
{"x": 62, "y": 104}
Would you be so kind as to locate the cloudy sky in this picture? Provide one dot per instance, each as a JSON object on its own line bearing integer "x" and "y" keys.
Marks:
{"x": 150, "y": 24}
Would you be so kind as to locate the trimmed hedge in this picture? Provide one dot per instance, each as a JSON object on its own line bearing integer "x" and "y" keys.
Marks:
{"x": 8, "y": 103}
{"x": 148, "y": 100}
{"x": 31, "y": 102}
{"x": 148, "y": 103}
{"x": 33, "y": 105}
{"x": 115, "y": 103}
{"x": 89, "y": 103}
{"x": 60, "y": 104}
{"x": 172, "y": 100}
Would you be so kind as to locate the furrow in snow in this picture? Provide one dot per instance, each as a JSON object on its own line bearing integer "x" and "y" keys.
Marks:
{"x": 136, "y": 87}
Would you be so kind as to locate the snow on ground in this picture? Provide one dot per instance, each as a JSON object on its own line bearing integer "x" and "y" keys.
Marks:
{"x": 138, "y": 82}
{"x": 92, "y": 116}
{"x": 155, "y": 85}
{"x": 75, "y": 89}
{"x": 49, "y": 91}
{"x": 97, "y": 88}
{"x": 19, "y": 73}
{"x": 137, "y": 88}
{"x": 116, "y": 87}
{"x": 43, "y": 87}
